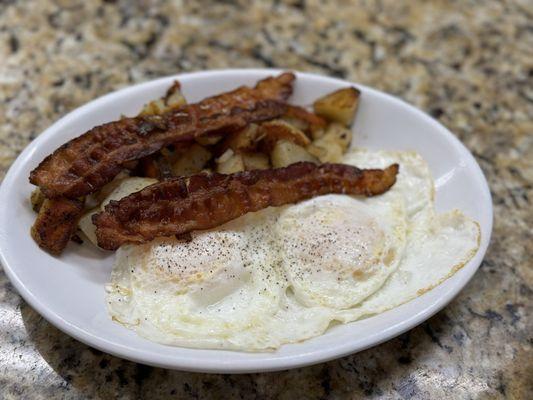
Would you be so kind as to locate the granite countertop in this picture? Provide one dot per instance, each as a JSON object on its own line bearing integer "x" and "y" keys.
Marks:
{"x": 469, "y": 64}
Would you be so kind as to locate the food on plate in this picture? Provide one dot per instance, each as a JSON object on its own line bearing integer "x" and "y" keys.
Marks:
{"x": 286, "y": 274}
{"x": 285, "y": 152}
{"x": 121, "y": 188}
{"x": 253, "y": 160}
{"x": 56, "y": 223}
{"x": 181, "y": 205}
{"x": 304, "y": 120}
{"x": 89, "y": 161}
{"x": 243, "y": 222}
{"x": 332, "y": 144}
{"x": 36, "y": 199}
{"x": 172, "y": 99}
{"x": 230, "y": 162}
{"x": 273, "y": 131}
{"x": 339, "y": 106}
{"x": 88, "y": 164}
{"x": 245, "y": 139}
{"x": 191, "y": 161}
{"x": 46, "y": 230}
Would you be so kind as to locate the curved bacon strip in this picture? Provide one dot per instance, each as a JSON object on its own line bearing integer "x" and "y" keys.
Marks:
{"x": 181, "y": 205}
{"x": 56, "y": 223}
{"x": 89, "y": 161}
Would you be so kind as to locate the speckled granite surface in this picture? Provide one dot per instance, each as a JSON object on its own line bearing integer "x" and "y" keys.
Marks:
{"x": 468, "y": 63}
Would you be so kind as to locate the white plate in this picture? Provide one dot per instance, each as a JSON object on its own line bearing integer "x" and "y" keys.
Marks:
{"x": 69, "y": 291}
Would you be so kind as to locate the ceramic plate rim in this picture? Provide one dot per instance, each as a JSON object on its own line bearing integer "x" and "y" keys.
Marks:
{"x": 252, "y": 364}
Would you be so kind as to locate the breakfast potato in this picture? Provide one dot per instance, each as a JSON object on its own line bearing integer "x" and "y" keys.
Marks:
{"x": 243, "y": 140}
{"x": 36, "y": 199}
{"x": 153, "y": 108}
{"x": 331, "y": 152}
{"x": 339, "y": 106}
{"x": 296, "y": 122}
{"x": 340, "y": 134}
{"x": 230, "y": 163}
{"x": 208, "y": 140}
{"x": 123, "y": 188}
{"x": 165, "y": 168}
{"x": 334, "y": 143}
{"x": 95, "y": 199}
{"x": 191, "y": 161}
{"x": 306, "y": 121}
{"x": 318, "y": 133}
{"x": 172, "y": 99}
{"x": 273, "y": 131}
{"x": 255, "y": 161}
{"x": 286, "y": 153}
{"x": 127, "y": 187}
{"x": 86, "y": 225}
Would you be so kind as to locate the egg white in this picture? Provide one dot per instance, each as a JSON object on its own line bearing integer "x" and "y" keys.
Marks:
{"x": 414, "y": 182}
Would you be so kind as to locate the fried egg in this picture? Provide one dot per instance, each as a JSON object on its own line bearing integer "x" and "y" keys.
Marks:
{"x": 336, "y": 250}
{"x": 197, "y": 292}
{"x": 286, "y": 274}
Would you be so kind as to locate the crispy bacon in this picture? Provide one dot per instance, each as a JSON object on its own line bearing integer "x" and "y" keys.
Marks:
{"x": 180, "y": 205}
{"x": 56, "y": 223}
{"x": 89, "y": 161}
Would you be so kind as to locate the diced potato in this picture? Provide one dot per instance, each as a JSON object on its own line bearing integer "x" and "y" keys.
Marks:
{"x": 318, "y": 133}
{"x": 339, "y": 106}
{"x": 208, "y": 140}
{"x": 340, "y": 134}
{"x": 245, "y": 139}
{"x": 167, "y": 153}
{"x": 273, "y": 131}
{"x": 295, "y": 122}
{"x": 87, "y": 227}
{"x": 330, "y": 153}
{"x": 255, "y": 161}
{"x": 286, "y": 153}
{"x": 304, "y": 120}
{"x": 95, "y": 199}
{"x": 313, "y": 131}
{"x": 165, "y": 168}
{"x": 191, "y": 161}
{"x": 122, "y": 189}
{"x": 153, "y": 108}
{"x": 127, "y": 187}
{"x": 172, "y": 99}
{"x": 334, "y": 143}
{"x": 225, "y": 156}
{"x": 229, "y": 165}
{"x": 36, "y": 199}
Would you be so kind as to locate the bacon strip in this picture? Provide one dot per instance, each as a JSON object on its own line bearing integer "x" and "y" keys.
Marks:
{"x": 88, "y": 162}
{"x": 56, "y": 223}
{"x": 180, "y": 205}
